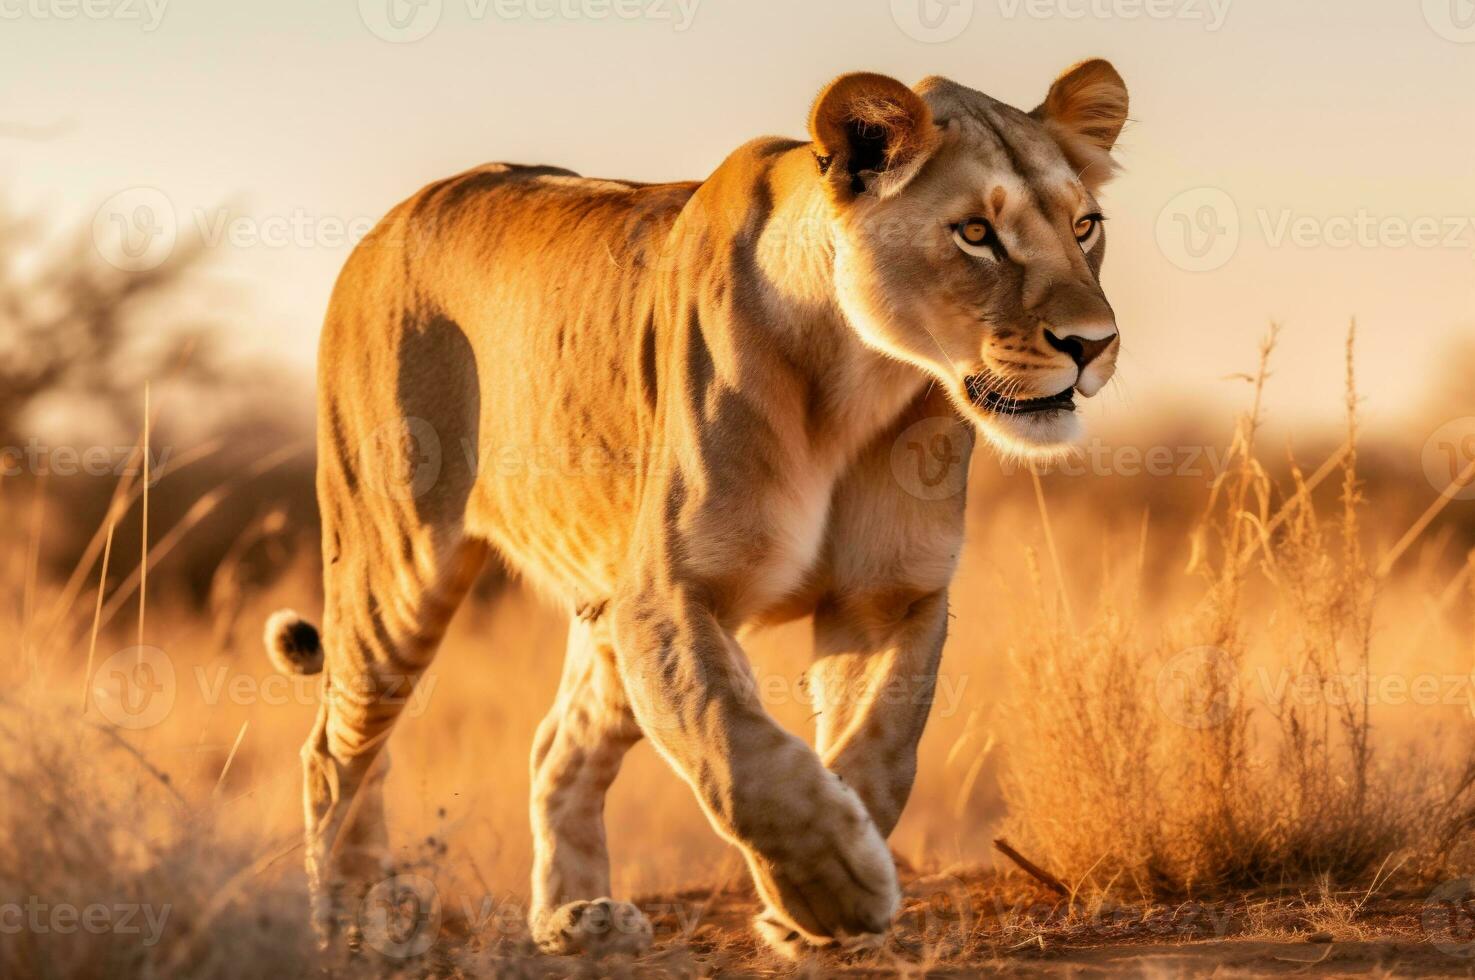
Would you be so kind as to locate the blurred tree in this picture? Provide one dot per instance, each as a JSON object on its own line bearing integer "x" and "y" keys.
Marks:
{"x": 70, "y": 327}
{"x": 79, "y": 339}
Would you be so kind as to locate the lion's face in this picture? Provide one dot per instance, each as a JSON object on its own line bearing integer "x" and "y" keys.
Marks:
{"x": 979, "y": 259}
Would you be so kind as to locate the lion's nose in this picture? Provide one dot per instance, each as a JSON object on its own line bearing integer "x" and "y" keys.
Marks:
{"x": 1082, "y": 350}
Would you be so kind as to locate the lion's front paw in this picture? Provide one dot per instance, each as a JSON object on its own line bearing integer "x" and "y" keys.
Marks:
{"x": 828, "y": 876}
{"x": 792, "y": 944}
{"x": 597, "y": 928}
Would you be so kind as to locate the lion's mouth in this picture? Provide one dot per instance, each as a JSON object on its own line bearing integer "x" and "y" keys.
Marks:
{"x": 981, "y": 394}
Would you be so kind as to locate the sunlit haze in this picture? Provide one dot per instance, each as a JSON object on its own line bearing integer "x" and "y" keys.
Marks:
{"x": 1295, "y": 162}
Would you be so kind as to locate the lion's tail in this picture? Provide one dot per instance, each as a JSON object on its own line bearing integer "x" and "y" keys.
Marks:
{"x": 293, "y": 644}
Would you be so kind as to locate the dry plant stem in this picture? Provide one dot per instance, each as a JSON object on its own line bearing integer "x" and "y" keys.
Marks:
{"x": 1466, "y": 477}
{"x": 1235, "y": 480}
{"x": 1357, "y": 721}
{"x": 1030, "y": 868}
{"x": 201, "y": 509}
{"x": 1054, "y": 552}
{"x": 125, "y": 493}
{"x": 159, "y": 776}
{"x": 143, "y": 564}
{"x": 1300, "y": 498}
{"x": 1456, "y": 585}
{"x": 33, "y": 568}
{"x": 231, "y": 757}
{"x": 102, "y": 584}
{"x": 1351, "y": 492}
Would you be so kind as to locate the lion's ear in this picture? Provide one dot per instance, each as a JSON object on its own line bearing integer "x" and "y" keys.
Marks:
{"x": 871, "y": 135}
{"x": 1085, "y": 112}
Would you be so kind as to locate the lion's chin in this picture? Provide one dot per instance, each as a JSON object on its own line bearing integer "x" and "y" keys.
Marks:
{"x": 1031, "y": 427}
{"x": 1038, "y": 435}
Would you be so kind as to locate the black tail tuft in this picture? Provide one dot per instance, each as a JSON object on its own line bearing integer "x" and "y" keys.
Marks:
{"x": 293, "y": 644}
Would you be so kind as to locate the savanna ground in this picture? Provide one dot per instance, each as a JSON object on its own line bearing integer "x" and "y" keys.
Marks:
{"x": 1217, "y": 700}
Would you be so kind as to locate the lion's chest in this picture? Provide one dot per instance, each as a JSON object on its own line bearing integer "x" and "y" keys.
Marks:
{"x": 767, "y": 509}
{"x": 756, "y": 548}
{"x": 796, "y": 516}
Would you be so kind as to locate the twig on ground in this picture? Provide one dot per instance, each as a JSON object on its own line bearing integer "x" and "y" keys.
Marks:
{"x": 1030, "y": 868}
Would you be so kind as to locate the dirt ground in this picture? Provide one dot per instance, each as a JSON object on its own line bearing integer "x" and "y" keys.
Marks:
{"x": 979, "y": 922}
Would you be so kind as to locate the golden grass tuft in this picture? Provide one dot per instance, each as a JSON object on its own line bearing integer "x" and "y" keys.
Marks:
{"x": 1228, "y": 749}
{"x": 107, "y": 871}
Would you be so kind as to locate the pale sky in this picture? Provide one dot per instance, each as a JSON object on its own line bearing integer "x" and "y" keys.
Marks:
{"x": 1338, "y": 136}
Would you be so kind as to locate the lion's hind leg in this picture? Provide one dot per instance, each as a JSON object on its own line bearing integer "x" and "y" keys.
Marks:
{"x": 384, "y": 620}
{"x": 576, "y": 756}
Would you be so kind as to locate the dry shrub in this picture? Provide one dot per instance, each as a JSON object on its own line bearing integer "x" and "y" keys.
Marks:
{"x": 105, "y": 871}
{"x": 1138, "y": 762}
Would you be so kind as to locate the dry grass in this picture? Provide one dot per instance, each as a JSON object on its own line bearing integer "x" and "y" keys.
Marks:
{"x": 1072, "y": 717}
{"x": 1221, "y": 750}
{"x": 115, "y": 874}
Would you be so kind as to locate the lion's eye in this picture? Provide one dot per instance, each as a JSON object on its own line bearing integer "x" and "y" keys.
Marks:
{"x": 1088, "y": 228}
{"x": 975, "y": 231}
{"x": 975, "y": 236}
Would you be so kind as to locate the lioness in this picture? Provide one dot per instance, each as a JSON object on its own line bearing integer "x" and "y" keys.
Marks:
{"x": 675, "y": 409}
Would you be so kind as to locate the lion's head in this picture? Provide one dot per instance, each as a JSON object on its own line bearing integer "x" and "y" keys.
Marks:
{"x": 968, "y": 240}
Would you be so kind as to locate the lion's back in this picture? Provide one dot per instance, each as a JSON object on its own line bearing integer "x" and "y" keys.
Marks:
{"x": 506, "y": 313}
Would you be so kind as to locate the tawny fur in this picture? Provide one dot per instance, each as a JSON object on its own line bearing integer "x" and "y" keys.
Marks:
{"x": 678, "y": 410}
